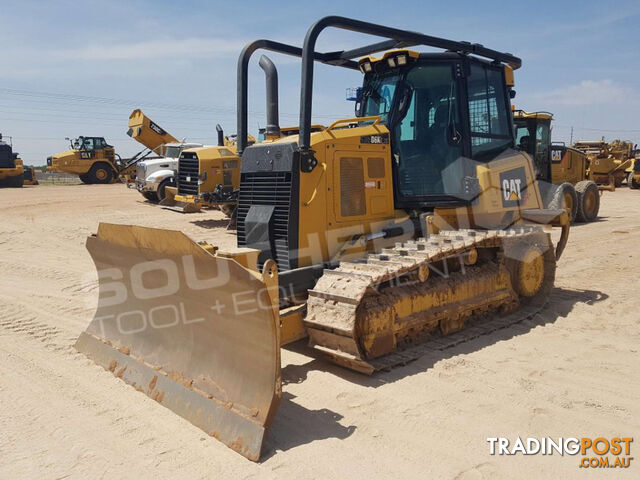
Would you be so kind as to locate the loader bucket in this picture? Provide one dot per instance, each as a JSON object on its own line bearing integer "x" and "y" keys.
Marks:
{"x": 195, "y": 331}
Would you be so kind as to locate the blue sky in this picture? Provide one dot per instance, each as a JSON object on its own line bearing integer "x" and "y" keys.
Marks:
{"x": 73, "y": 68}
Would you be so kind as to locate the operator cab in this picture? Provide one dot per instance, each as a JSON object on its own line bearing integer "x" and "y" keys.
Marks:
{"x": 441, "y": 109}
{"x": 7, "y": 156}
{"x": 533, "y": 136}
{"x": 89, "y": 143}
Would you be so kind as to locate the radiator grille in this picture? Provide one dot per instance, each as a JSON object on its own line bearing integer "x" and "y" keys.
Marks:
{"x": 188, "y": 172}
{"x": 268, "y": 188}
{"x": 352, "y": 196}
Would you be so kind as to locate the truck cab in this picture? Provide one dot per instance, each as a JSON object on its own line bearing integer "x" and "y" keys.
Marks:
{"x": 154, "y": 175}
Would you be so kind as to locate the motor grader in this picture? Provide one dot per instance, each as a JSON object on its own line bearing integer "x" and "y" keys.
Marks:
{"x": 609, "y": 163}
{"x": 562, "y": 172}
{"x": 378, "y": 238}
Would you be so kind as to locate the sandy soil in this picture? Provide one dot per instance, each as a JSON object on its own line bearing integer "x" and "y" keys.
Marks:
{"x": 571, "y": 371}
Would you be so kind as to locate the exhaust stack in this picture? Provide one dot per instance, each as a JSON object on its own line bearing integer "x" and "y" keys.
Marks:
{"x": 272, "y": 129}
{"x": 220, "y": 135}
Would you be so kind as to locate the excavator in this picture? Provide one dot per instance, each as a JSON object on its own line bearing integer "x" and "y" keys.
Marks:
{"x": 562, "y": 172}
{"x": 95, "y": 161}
{"x": 409, "y": 228}
{"x": 11, "y": 168}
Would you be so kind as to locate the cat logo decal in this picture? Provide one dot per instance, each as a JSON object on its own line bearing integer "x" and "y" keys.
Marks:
{"x": 513, "y": 184}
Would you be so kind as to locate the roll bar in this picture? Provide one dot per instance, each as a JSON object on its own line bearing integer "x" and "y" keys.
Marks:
{"x": 396, "y": 38}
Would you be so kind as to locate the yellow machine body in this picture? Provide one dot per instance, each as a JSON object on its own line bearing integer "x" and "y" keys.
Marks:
{"x": 563, "y": 172}
{"x": 91, "y": 158}
{"x": 148, "y": 133}
{"x": 609, "y": 163}
{"x": 11, "y": 167}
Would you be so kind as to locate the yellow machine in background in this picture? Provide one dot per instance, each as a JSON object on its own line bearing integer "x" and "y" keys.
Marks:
{"x": 609, "y": 163}
{"x": 380, "y": 238}
{"x": 206, "y": 177}
{"x": 148, "y": 133}
{"x": 210, "y": 177}
{"x": 633, "y": 180}
{"x": 30, "y": 176}
{"x": 562, "y": 171}
{"x": 11, "y": 169}
{"x": 91, "y": 158}
{"x": 95, "y": 161}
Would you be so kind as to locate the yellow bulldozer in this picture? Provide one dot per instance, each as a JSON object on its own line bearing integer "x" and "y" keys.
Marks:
{"x": 95, "y": 161}
{"x": 11, "y": 168}
{"x": 379, "y": 238}
{"x": 562, "y": 172}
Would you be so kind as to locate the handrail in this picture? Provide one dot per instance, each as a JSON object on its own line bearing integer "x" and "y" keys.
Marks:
{"x": 377, "y": 119}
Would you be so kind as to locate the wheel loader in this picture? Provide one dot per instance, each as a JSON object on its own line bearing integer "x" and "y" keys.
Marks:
{"x": 11, "y": 168}
{"x": 379, "y": 238}
{"x": 562, "y": 172}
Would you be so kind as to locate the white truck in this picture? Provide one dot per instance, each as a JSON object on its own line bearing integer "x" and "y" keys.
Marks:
{"x": 155, "y": 174}
{"x": 156, "y": 169}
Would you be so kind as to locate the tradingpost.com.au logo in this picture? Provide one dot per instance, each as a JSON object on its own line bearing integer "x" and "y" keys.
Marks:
{"x": 597, "y": 452}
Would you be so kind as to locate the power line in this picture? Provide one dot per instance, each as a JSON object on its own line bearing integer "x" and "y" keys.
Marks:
{"x": 121, "y": 102}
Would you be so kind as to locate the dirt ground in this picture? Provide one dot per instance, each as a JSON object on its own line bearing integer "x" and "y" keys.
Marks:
{"x": 572, "y": 371}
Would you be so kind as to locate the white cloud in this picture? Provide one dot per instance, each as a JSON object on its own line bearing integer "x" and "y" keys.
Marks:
{"x": 589, "y": 92}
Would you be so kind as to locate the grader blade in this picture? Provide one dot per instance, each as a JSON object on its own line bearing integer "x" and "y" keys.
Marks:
{"x": 195, "y": 331}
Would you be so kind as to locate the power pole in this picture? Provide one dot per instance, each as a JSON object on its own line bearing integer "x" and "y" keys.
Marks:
{"x": 571, "y": 142}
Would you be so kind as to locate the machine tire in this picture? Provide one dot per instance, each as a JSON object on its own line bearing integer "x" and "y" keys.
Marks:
{"x": 617, "y": 181}
{"x": 588, "y": 201}
{"x": 100, "y": 172}
{"x": 150, "y": 196}
{"x": 228, "y": 209}
{"x": 563, "y": 194}
{"x": 167, "y": 182}
{"x": 84, "y": 178}
{"x": 631, "y": 182}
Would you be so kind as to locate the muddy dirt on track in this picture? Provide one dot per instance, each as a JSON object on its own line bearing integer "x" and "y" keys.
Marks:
{"x": 571, "y": 371}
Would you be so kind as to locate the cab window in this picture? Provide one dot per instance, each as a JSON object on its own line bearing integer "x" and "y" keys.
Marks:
{"x": 428, "y": 136}
{"x": 378, "y": 95}
{"x": 88, "y": 144}
{"x": 488, "y": 111}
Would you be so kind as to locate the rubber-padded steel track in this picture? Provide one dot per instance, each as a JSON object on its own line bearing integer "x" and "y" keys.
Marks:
{"x": 332, "y": 306}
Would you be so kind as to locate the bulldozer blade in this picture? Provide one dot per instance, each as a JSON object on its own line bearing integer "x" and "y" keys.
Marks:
{"x": 195, "y": 331}
{"x": 182, "y": 207}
